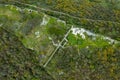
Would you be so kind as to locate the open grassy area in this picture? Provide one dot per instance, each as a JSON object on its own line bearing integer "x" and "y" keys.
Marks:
{"x": 29, "y": 35}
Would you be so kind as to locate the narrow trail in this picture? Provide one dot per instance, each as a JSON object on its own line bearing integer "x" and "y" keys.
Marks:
{"x": 48, "y": 10}
{"x": 62, "y": 13}
{"x": 65, "y": 36}
{"x": 60, "y": 45}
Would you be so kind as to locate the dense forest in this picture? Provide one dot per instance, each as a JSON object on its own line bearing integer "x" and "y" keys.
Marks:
{"x": 59, "y": 39}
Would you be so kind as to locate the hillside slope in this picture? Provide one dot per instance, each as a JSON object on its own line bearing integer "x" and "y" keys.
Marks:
{"x": 68, "y": 48}
{"x": 18, "y": 62}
